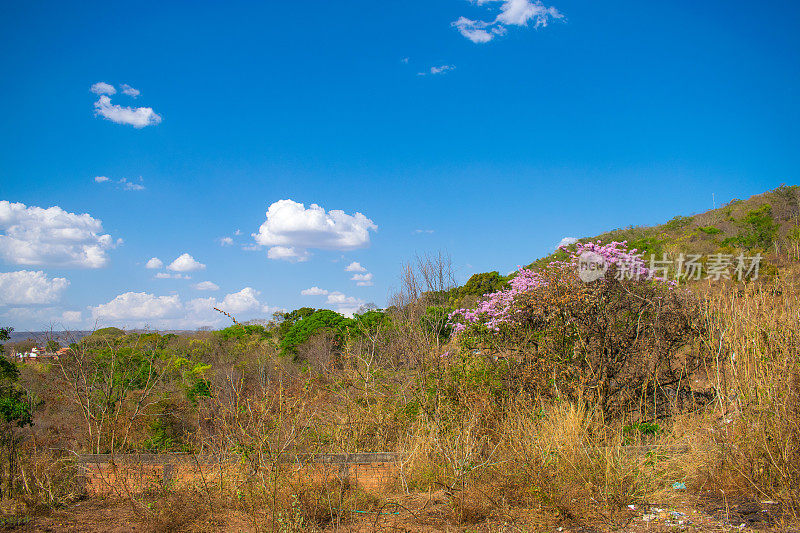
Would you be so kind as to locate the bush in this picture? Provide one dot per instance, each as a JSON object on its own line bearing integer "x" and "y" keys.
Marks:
{"x": 616, "y": 341}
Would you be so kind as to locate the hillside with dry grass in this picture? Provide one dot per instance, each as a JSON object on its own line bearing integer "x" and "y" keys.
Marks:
{"x": 543, "y": 403}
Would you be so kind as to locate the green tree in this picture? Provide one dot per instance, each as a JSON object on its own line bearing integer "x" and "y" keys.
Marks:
{"x": 303, "y": 329}
{"x": 15, "y": 410}
{"x": 483, "y": 283}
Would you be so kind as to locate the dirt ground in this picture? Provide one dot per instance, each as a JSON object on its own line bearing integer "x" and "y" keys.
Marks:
{"x": 432, "y": 512}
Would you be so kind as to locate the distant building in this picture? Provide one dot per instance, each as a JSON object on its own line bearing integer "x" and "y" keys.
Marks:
{"x": 39, "y": 354}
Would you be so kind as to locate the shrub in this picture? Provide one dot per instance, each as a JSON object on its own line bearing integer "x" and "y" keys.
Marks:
{"x": 615, "y": 341}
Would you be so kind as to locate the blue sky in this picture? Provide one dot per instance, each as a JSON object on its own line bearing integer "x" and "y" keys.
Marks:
{"x": 412, "y": 129}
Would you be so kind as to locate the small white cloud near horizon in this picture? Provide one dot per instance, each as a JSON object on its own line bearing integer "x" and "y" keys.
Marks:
{"x": 154, "y": 262}
{"x": 346, "y": 305}
{"x": 101, "y": 179}
{"x": 566, "y": 241}
{"x": 35, "y": 236}
{"x": 130, "y": 91}
{"x": 419, "y": 231}
{"x": 102, "y": 87}
{"x": 71, "y": 316}
{"x": 512, "y": 13}
{"x": 141, "y": 309}
{"x": 291, "y": 229}
{"x": 314, "y": 291}
{"x": 206, "y": 286}
{"x": 185, "y": 263}
{"x": 26, "y": 287}
{"x": 138, "y": 117}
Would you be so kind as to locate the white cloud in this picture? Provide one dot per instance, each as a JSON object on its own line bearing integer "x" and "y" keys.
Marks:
{"x": 314, "y": 291}
{"x": 566, "y": 241}
{"x": 39, "y": 318}
{"x": 418, "y": 231}
{"x": 71, "y": 316}
{"x": 167, "y": 275}
{"x": 347, "y": 305}
{"x": 131, "y": 186}
{"x": 154, "y": 262}
{"x": 512, "y": 13}
{"x": 185, "y": 263}
{"x": 139, "y": 309}
{"x": 139, "y": 306}
{"x": 30, "y": 287}
{"x": 355, "y": 267}
{"x": 241, "y": 302}
{"x": 226, "y": 241}
{"x": 138, "y": 117}
{"x": 102, "y": 87}
{"x": 124, "y": 183}
{"x": 36, "y": 236}
{"x": 130, "y": 91}
{"x": 405, "y": 60}
{"x": 206, "y": 286}
{"x": 441, "y": 69}
{"x": 364, "y": 280}
{"x": 288, "y": 253}
{"x": 290, "y": 230}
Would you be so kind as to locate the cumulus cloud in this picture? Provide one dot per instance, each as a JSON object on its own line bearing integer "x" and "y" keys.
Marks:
{"x": 363, "y": 280}
{"x": 154, "y": 262}
{"x": 355, "y": 267}
{"x": 242, "y": 301}
{"x": 100, "y": 179}
{"x": 566, "y": 241}
{"x": 39, "y": 318}
{"x": 347, "y": 305}
{"x": 290, "y": 230}
{"x": 288, "y": 253}
{"x": 130, "y": 91}
{"x": 36, "y": 236}
{"x": 139, "y": 306}
{"x": 512, "y": 13}
{"x": 138, "y": 117}
{"x": 185, "y": 263}
{"x": 71, "y": 316}
{"x": 102, "y": 87}
{"x": 314, "y": 291}
{"x": 206, "y": 286}
{"x": 30, "y": 287}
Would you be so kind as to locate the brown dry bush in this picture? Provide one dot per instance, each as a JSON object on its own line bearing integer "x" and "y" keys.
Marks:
{"x": 755, "y": 436}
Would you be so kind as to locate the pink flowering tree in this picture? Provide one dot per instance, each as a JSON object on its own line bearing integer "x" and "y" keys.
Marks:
{"x": 599, "y": 326}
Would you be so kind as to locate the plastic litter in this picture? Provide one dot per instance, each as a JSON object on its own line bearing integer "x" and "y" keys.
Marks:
{"x": 679, "y": 485}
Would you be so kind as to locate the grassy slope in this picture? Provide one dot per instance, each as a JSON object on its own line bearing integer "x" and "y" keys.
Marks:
{"x": 723, "y": 230}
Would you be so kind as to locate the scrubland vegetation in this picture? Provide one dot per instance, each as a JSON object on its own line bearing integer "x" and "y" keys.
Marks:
{"x": 536, "y": 400}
